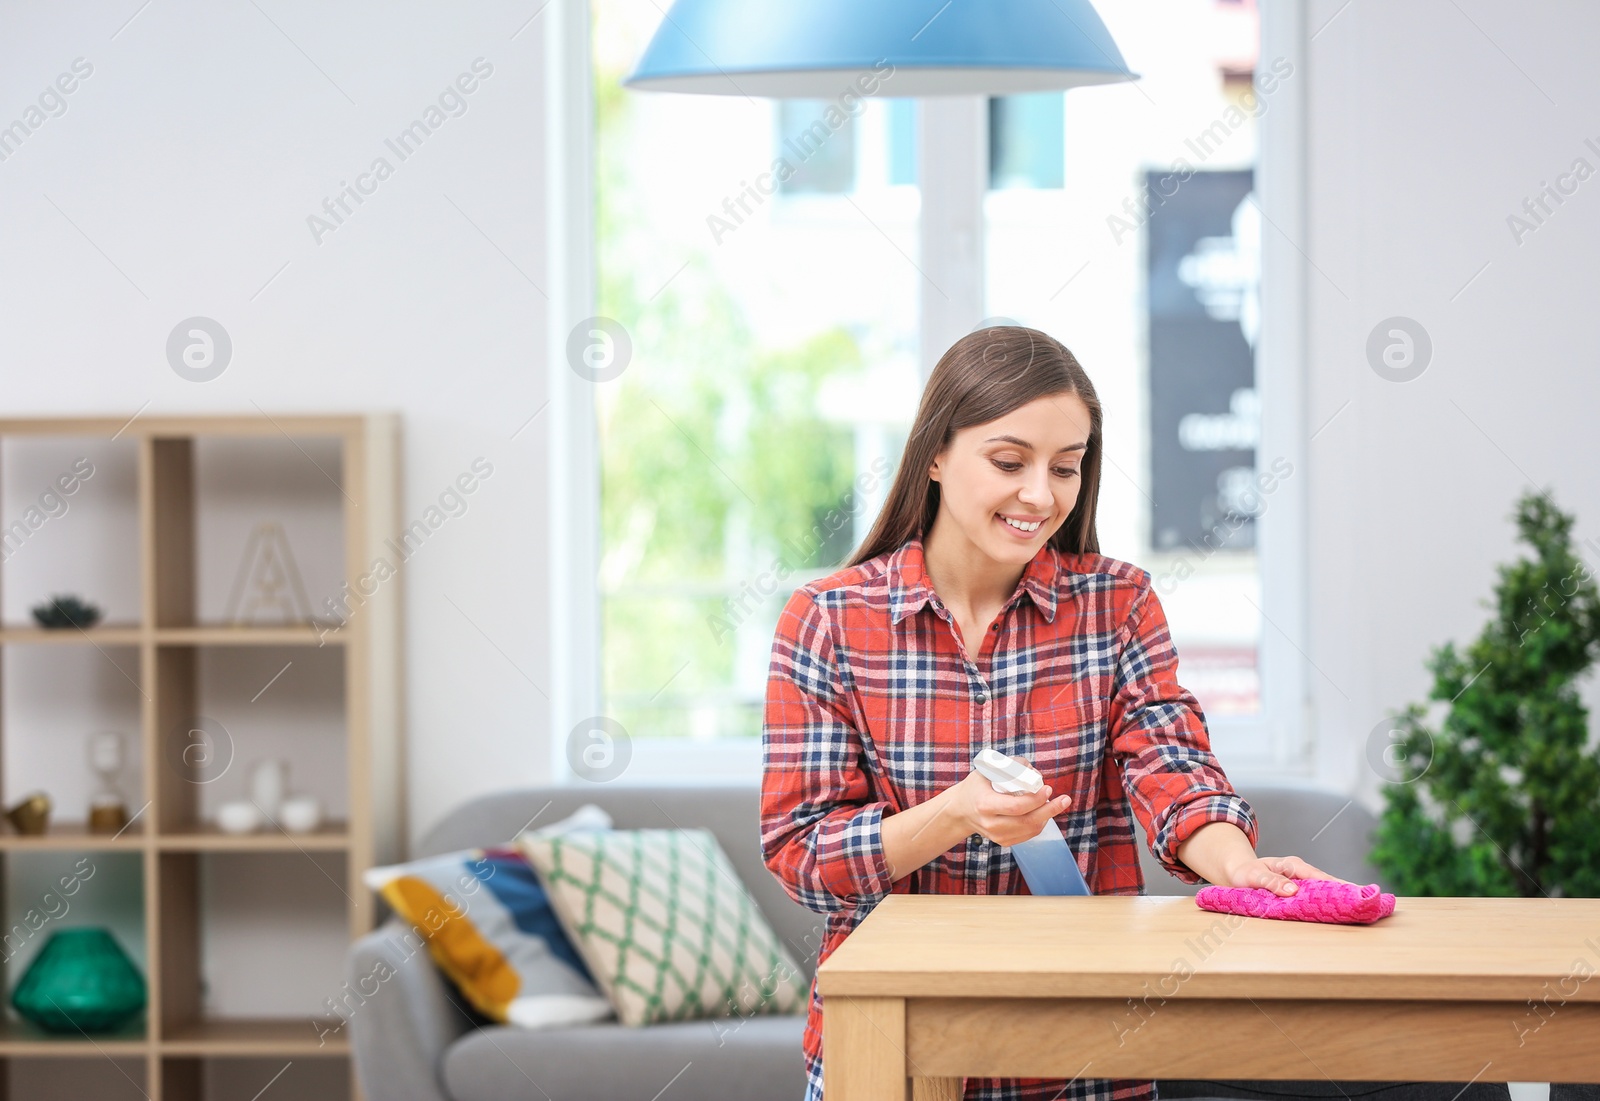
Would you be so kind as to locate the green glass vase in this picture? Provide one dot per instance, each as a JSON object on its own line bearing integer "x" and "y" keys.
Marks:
{"x": 81, "y": 980}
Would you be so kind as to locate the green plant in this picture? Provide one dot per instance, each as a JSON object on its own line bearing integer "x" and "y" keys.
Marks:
{"x": 1502, "y": 795}
{"x": 66, "y": 611}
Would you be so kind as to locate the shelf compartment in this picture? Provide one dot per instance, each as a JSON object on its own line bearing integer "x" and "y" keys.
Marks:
{"x": 71, "y": 509}
{"x": 249, "y": 533}
{"x": 47, "y": 891}
{"x": 105, "y": 1076}
{"x": 264, "y": 935}
{"x": 56, "y": 698}
{"x": 264, "y": 1075}
{"x": 222, "y": 709}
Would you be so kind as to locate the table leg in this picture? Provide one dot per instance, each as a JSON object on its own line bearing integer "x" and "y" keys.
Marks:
{"x": 863, "y": 1048}
{"x": 864, "y": 1054}
{"x": 936, "y": 1089}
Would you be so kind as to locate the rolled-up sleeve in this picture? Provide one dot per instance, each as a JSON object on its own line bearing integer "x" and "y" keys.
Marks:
{"x": 1160, "y": 741}
{"x": 821, "y": 830}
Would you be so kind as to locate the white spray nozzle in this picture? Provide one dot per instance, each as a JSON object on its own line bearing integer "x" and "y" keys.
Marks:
{"x": 1008, "y": 775}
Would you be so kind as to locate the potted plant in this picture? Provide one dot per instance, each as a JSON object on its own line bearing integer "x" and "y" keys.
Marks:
{"x": 1500, "y": 795}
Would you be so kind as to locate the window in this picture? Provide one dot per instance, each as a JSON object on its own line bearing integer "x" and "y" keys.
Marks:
{"x": 824, "y": 159}
{"x": 761, "y": 255}
{"x": 1027, "y": 140}
{"x": 1145, "y": 263}
{"x": 764, "y": 257}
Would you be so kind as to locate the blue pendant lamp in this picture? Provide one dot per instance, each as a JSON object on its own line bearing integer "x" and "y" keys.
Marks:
{"x": 811, "y": 49}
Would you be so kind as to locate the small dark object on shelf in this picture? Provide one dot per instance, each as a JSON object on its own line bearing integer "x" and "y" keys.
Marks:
{"x": 111, "y": 818}
{"x": 31, "y": 816}
{"x": 66, "y": 611}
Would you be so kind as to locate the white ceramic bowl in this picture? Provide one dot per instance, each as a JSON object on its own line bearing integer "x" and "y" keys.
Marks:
{"x": 300, "y": 814}
{"x": 239, "y": 816}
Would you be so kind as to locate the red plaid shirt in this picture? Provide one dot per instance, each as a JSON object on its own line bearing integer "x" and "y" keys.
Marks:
{"x": 874, "y": 706}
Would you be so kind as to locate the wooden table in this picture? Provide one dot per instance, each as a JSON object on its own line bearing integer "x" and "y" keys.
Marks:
{"x": 930, "y": 988}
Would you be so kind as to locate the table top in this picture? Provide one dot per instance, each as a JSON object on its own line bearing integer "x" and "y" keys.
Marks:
{"x": 1126, "y": 946}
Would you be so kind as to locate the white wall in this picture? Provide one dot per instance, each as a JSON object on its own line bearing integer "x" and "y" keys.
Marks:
{"x": 178, "y": 182}
{"x": 1428, "y": 125}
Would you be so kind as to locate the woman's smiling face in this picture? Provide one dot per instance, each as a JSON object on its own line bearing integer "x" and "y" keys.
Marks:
{"x": 1025, "y": 466}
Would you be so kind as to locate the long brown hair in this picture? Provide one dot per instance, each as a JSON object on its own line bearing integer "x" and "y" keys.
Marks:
{"x": 983, "y": 376}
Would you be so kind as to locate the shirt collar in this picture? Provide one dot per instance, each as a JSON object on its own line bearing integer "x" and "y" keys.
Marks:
{"x": 909, "y": 589}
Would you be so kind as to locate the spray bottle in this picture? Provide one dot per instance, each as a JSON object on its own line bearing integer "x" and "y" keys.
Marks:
{"x": 1047, "y": 863}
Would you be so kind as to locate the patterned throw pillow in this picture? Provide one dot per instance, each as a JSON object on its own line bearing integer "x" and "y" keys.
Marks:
{"x": 489, "y": 927}
{"x": 665, "y": 925}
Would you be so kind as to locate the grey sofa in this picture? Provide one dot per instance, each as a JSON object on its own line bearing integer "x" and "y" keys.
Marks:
{"x": 414, "y": 1039}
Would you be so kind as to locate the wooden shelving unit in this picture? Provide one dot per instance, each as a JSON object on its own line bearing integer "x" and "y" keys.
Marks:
{"x": 168, "y": 836}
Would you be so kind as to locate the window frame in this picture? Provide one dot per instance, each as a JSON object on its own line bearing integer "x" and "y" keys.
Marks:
{"x": 1279, "y": 743}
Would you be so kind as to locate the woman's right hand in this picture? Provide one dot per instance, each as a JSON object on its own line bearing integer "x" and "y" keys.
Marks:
{"x": 1005, "y": 819}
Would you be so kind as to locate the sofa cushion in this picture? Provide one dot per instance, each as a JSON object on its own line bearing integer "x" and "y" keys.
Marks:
{"x": 489, "y": 927}
{"x": 666, "y": 927}
{"x": 735, "y": 1059}
{"x": 732, "y": 811}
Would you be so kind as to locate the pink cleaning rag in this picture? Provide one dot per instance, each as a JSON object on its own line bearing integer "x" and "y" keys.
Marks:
{"x": 1315, "y": 900}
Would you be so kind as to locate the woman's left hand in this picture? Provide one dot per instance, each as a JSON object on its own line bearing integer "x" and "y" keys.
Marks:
{"x": 1275, "y": 872}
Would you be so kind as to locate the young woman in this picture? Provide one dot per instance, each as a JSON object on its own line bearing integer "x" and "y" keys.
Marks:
{"x": 980, "y": 613}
